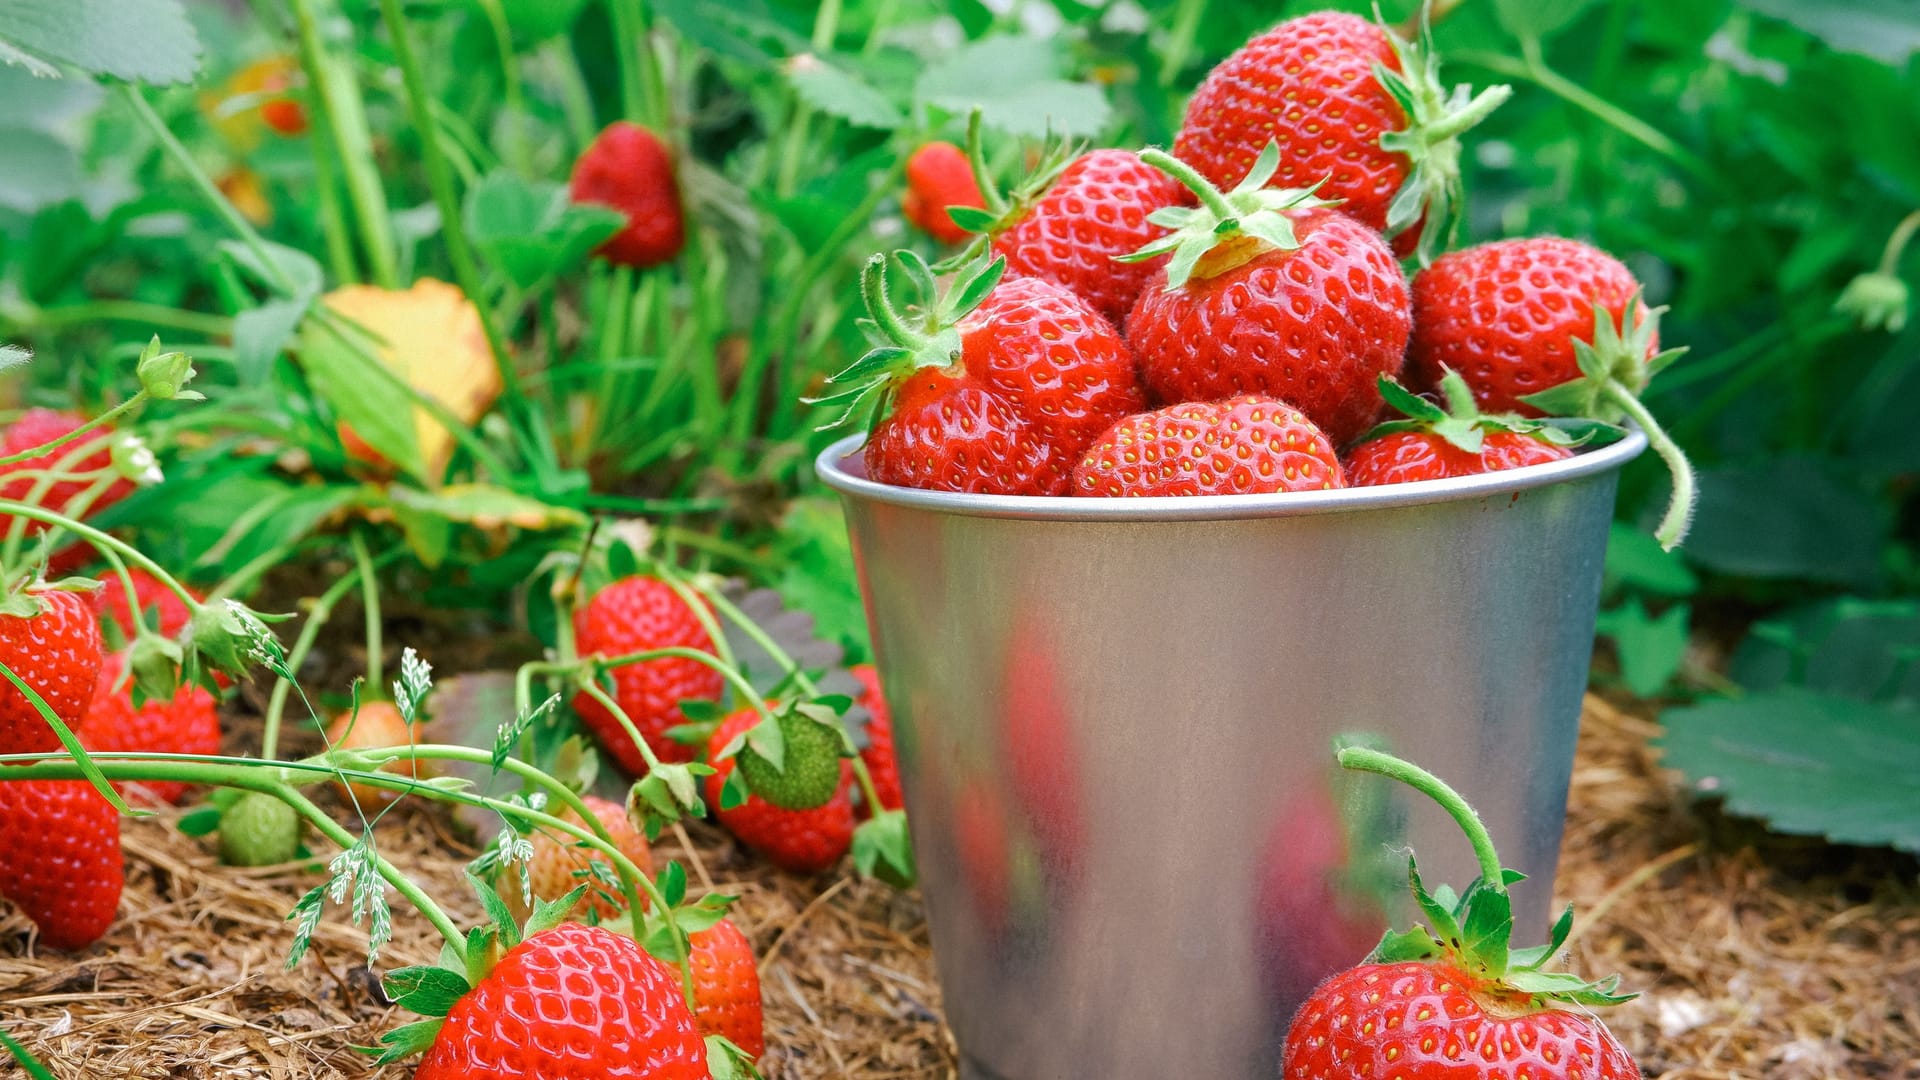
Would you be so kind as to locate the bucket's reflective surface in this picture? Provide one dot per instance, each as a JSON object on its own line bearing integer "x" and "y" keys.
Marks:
{"x": 1115, "y": 722}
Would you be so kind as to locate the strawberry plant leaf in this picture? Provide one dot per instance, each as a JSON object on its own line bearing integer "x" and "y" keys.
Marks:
{"x": 261, "y": 334}
{"x": 1027, "y": 94}
{"x": 1636, "y": 560}
{"x": 1806, "y": 763}
{"x": 1851, "y": 646}
{"x": 1537, "y": 20}
{"x": 833, "y": 90}
{"x": 1650, "y": 647}
{"x": 429, "y": 991}
{"x": 1883, "y": 29}
{"x": 531, "y": 230}
{"x": 672, "y": 882}
{"x": 148, "y": 41}
{"x": 38, "y": 170}
{"x": 199, "y": 821}
{"x": 883, "y": 849}
{"x": 1794, "y": 518}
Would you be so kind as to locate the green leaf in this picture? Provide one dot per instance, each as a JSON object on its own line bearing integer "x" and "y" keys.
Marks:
{"x": 1887, "y": 30}
{"x": 200, "y": 821}
{"x": 531, "y": 229}
{"x": 548, "y": 914}
{"x": 672, "y": 882}
{"x": 407, "y": 1040}
{"x": 1806, "y": 763}
{"x": 1537, "y": 20}
{"x": 1488, "y": 928}
{"x": 1650, "y": 647}
{"x": 285, "y": 271}
{"x": 347, "y": 372}
{"x": 1017, "y": 84}
{"x": 1851, "y": 646}
{"x": 497, "y": 912}
{"x": 1636, "y": 560}
{"x": 834, "y": 91}
{"x": 429, "y": 991}
{"x": 138, "y": 40}
{"x": 261, "y": 334}
{"x": 37, "y": 170}
{"x": 1790, "y": 517}
{"x": 883, "y": 849}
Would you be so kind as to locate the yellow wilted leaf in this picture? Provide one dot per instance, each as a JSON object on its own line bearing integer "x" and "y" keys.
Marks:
{"x": 430, "y": 335}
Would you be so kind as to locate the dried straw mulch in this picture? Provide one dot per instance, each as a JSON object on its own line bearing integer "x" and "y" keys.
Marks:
{"x": 1759, "y": 958}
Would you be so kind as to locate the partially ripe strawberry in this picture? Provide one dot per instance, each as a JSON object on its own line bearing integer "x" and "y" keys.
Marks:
{"x": 561, "y": 863}
{"x": 629, "y": 169}
{"x": 726, "y": 987}
{"x": 1353, "y": 108}
{"x": 1245, "y": 445}
{"x": 995, "y": 388}
{"x": 1268, "y": 292}
{"x": 57, "y": 652}
{"x": 638, "y": 614}
{"x": 151, "y": 598}
{"x": 882, "y": 766}
{"x": 939, "y": 176}
{"x": 802, "y": 841}
{"x": 571, "y": 1003}
{"x": 187, "y": 723}
{"x": 1434, "y": 443}
{"x": 87, "y": 454}
{"x": 62, "y": 863}
{"x": 1457, "y": 1000}
{"x": 809, "y": 772}
{"x": 377, "y": 725}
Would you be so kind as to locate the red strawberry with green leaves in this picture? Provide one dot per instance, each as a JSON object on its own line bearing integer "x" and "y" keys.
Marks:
{"x": 1246, "y": 445}
{"x": 1270, "y": 292}
{"x": 568, "y": 1003}
{"x": 1549, "y": 326}
{"x": 637, "y": 614}
{"x": 996, "y": 388}
{"x": 72, "y": 497}
{"x": 802, "y": 841}
{"x": 62, "y": 862}
{"x": 628, "y": 168}
{"x": 1349, "y": 103}
{"x": 939, "y": 177}
{"x": 1071, "y": 219}
{"x": 726, "y": 987}
{"x": 1457, "y": 1000}
{"x": 1435, "y": 443}
{"x": 50, "y": 638}
{"x": 186, "y": 723}
{"x": 882, "y": 765}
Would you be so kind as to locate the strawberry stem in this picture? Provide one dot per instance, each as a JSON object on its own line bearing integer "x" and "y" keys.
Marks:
{"x": 1359, "y": 758}
{"x": 993, "y": 202}
{"x": 873, "y": 289}
{"x": 1679, "y": 516}
{"x": 1194, "y": 182}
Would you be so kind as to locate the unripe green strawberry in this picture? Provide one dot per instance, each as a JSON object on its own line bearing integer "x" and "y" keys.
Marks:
{"x": 259, "y": 830}
{"x": 810, "y": 772}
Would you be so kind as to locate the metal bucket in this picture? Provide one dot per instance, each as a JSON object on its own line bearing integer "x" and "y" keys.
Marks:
{"x": 1115, "y": 721}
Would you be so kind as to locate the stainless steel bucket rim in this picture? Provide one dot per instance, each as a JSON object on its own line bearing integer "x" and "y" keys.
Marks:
{"x": 842, "y": 470}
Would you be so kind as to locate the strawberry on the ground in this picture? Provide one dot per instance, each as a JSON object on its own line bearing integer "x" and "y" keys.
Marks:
{"x": 996, "y": 388}
{"x": 1246, "y": 445}
{"x": 570, "y": 1003}
{"x": 1269, "y": 292}
{"x": 55, "y": 650}
{"x": 1434, "y": 443}
{"x": 1348, "y": 102}
{"x": 259, "y": 830}
{"x": 1446, "y": 1002}
{"x": 62, "y": 861}
{"x": 939, "y": 176}
{"x": 87, "y": 454}
{"x": 636, "y": 614}
{"x": 882, "y": 765}
{"x": 726, "y": 987}
{"x": 1553, "y": 326}
{"x": 561, "y": 863}
{"x": 377, "y": 725}
{"x": 187, "y": 723}
{"x": 152, "y": 599}
{"x": 803, "y": 841}
{"x": 629, "y": 169}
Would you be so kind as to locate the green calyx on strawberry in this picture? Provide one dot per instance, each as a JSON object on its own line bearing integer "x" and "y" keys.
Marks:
{"x": 791, "y": 758}
{"x": 1460, "y": 422}
{"x": 1473, "y": 931}
{"x": 1432, "y": 194}
{"x": 1227, "y": 229}
{"x": 1614, "y": 368}
{"x": 1003, "y": 210}
{"x": 907, "y": 341}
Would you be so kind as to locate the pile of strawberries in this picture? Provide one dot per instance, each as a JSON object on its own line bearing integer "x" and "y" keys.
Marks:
{"x": 1233, "y": 318}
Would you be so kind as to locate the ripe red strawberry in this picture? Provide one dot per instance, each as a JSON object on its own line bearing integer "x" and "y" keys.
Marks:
{"x": 560, "y": 864}
{"x": 939, "y": 176}
{"x": 882, "y": 766}
{"x": 1270, "y": 293}
{"x": 62, "y": 864}
{"x": 37, "y": 427}
{"x": 629, "y": 169}
{"x": 1459, "y": 440}
{"x": 1246, "y": 445}
{"x": 571, "y": 1003}
{"x": 1447, "y": 1003}
{"x": 57, "y": 652}
{"x": 726, "y": 987}
{"x": 995, "y": 389}
{"x": 188, "y": 723}
{"x": 633, "y": 615}
{"x": 803, "y": 841}
{"x": 1350, "y": 103}
{"x": 151, "y": 598}
{"x": 1553, "y": 326}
